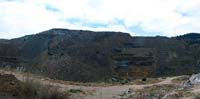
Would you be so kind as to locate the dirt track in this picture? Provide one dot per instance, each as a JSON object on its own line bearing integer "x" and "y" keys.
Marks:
{"x": 97, "y": 92}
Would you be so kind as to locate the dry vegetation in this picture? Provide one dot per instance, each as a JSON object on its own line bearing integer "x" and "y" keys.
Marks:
{"x": 145, "y": 81}
{"x": 37, "y": 90}
{"x": 37, "y": 87}
{"x": 11, "y": 88}
{"x": 174, "y": 90}
{"x": 181, "y": 79}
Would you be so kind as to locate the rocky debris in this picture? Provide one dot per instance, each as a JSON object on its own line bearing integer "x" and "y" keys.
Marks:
{"x": 9, "y": 85}
{"x": 12, "y": 88}
{"x": 128, "y": 94}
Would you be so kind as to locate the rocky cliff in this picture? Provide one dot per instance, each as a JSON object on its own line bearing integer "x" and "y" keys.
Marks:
{"x": 79, "y": 55}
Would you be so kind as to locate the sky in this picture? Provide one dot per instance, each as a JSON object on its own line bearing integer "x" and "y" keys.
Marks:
{"x": 137, "y": 17}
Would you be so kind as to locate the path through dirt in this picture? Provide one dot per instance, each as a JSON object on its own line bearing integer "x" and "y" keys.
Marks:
{"x": 97, "y": 92}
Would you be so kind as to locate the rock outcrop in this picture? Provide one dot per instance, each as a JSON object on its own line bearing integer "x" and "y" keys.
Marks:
{"x": 195, "y": 79}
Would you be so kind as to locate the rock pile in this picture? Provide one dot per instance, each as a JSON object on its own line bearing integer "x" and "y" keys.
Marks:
{"x": 9, "y": 85}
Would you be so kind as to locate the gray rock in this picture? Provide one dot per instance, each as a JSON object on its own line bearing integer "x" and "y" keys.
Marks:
{"x": 195, "y": 79}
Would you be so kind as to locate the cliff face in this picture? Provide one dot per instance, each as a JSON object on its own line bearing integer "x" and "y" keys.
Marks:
{"x": 90, "y": 56}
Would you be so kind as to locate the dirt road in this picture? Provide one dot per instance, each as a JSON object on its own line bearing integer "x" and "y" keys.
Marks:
{"x": 97, "y": 92}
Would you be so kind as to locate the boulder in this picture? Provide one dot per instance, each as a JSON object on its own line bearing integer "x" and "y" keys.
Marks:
{"x": 194, "y": 79}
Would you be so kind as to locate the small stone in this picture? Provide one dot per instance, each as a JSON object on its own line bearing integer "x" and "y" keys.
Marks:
{"x": 12, "y": 83}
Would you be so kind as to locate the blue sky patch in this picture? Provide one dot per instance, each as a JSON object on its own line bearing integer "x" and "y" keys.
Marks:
{"x": 73, "y": 20}
{"x": 118, "y": 21}
{"x": 95, "y": 24}
{"x": 51, "y": 8}
{"x": 139, "y": 31}
{"x": 85, "y": 22}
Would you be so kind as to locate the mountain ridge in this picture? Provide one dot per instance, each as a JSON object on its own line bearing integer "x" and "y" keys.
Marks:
{"x": 77, "y": 55}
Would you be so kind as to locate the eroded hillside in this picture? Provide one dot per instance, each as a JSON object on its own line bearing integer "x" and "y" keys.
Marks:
{"x": 79, "y": 55}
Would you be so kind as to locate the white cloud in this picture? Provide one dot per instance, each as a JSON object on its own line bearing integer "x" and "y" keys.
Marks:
{"x": 167, "y": 17}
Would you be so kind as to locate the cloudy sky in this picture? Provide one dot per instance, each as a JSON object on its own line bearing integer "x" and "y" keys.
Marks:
{"x": 138, "y": 17}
